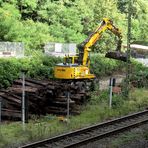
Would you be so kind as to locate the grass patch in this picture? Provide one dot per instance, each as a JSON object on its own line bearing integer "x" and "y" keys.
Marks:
{"x": 13, "y": 135}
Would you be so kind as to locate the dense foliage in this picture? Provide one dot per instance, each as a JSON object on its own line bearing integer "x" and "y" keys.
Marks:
{"x": 101, "y": 66}
{"x": 36, "y": 22}
{"x": 37, "y": 66}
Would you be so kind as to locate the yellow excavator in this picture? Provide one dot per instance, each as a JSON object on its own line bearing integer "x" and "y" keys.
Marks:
{"x": 78, "y": 67}
{"x": 72, "y": 78}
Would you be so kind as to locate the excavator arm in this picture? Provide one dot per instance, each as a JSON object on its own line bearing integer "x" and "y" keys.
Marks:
{"x": 84, "y": 47}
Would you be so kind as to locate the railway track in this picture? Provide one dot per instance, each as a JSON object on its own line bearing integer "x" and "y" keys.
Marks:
{"x": 93, "y": 133}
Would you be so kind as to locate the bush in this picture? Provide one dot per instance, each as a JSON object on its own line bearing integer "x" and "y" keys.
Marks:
{"x": 8, "y": 72}
{"x": 139, "y": 75}
{"x": 102, "y": 66}
{"x": 117, "y": 101}
{"x": 39, "y": 67}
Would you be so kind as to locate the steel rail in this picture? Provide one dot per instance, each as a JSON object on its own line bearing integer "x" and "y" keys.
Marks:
{"x": 106, "y": 134}
{"x": 89, "y": 129}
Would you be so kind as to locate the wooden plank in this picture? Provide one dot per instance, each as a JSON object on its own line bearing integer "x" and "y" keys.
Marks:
{"x": 42, "y": 83}
{"x": 10, "y": 98}
{"x": 19, "y": 82}
{"x": 11, "y": 113}
{"x": 27, "y": 89}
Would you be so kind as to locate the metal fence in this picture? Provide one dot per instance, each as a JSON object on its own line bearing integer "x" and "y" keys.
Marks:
{"x": 60, "y": 49}
{"x": 11, "y": 49}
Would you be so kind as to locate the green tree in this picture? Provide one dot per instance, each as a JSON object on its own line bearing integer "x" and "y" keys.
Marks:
{"x": 36, "y": 22}
{"x": 139, "y": 11}
{"x": 64, "y": 22}
{"x": 140, "y": 19}
{"x": 33, "y": 34}
{"x": 9, "y": 22}
{"x": 92, "y": 16}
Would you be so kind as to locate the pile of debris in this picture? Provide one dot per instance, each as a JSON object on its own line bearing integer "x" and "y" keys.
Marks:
{"x": 44, "y": 97}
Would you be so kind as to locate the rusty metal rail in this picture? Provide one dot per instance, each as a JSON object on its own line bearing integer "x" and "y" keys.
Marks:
{"x": 93, "y": 133}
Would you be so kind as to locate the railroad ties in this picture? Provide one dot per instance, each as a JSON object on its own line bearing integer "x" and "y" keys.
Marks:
{"x": 44, "y": 97}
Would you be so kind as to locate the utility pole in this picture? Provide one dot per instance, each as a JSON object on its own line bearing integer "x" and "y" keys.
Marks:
{"x": 0, "y": 116}
{"x": 128, "y": 65}
{"x": 0, "y": 112}
{"x": 111, "y": 92}
{"x": 68, "y": 100}
{"x": 24, "y": 101}
{"x": 23, "y": 98}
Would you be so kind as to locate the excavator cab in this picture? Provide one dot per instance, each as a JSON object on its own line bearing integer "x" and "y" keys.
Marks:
{"x": 70, "y": 59}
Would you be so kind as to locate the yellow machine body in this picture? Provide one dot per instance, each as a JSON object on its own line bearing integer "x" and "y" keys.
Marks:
{"x": 72, "y": 71}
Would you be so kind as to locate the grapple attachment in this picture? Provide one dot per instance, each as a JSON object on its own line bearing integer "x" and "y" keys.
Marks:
{"x": 118, "y": 55}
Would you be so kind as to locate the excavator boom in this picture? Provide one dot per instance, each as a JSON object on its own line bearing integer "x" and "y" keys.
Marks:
{"x": 84, "y": 47}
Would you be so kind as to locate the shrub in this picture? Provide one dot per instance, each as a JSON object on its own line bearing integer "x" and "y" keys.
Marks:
{"x": 139, "y": 75}
{"x": 38, "y": 67}
{"x": 102, "y": 66}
